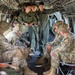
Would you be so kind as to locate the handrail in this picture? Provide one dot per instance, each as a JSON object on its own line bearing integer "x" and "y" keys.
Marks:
{"x": 67, "y": 64}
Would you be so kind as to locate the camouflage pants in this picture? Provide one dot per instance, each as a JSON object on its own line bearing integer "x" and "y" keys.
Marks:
{"x": 7, "y": 51}
{"x": 19, "y": 59}
{"x": 15, "y": 57}
{"x": 14, "y": 54}
{"x": 58, "y": 56}
{"x": 8, "y": 55}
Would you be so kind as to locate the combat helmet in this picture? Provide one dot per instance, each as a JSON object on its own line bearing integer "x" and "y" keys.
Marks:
{"x": 59, "y": 24}
{"x": 63, "y": 28}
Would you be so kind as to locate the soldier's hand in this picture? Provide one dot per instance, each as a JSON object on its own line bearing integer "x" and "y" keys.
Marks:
{"x": 48, "y": 47}
{"x": 26, "y": 24}
{"x": 14, "y": 67}
{"x": 36, "y": 25}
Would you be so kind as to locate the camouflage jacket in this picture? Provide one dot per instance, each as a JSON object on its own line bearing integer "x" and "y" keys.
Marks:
{"x": 67, "y": 44}
{"x": 56, "y": 41}
{"x": 5, "y": 46}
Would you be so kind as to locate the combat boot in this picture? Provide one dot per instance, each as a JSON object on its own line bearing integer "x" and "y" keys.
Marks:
{"x": 27, "y": 71}
{"x": 52, "y": 72}
{"x": 47, "y": 67}
{"x": 40, "y": 61}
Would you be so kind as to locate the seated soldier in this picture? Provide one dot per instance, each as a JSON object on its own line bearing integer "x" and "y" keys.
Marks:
{"x": 13, "y": 53}
{"x": 55, "y": 42}
{"x": 64, "y": 51}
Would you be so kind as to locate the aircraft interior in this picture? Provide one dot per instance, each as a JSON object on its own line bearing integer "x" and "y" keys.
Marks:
{"x": 27, "y": 37}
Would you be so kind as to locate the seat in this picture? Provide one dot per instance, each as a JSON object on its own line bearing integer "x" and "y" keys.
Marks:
{"x": 70, "y": 68}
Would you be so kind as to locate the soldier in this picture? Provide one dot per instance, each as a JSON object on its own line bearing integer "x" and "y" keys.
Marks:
{"x": 44, "y": 24}
{"x": 54, "y": 43}
{"x": 13, "y": 53}
{"x": 64, "y": 51}
{"x": 58, "y": 37}
{"x": 25, "y": 18}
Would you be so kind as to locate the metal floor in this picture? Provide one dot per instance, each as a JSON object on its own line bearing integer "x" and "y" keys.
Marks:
{"x": 39, "y": 69}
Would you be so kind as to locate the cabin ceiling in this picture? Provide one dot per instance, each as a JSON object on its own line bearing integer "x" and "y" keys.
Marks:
{"x": 67, "y": 5}
{"x": 13, "y": 4}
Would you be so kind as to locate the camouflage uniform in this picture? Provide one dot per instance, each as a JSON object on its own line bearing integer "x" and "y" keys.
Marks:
{"x": 12, "y": 53}
{"x": 7, "y": 50}
{"x": 64, "y": 51}
{"x": 57, "y": 39}
{"x": 53, "y": 44}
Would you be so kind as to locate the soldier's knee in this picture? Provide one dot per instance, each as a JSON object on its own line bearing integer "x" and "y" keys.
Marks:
{"x": 18, "y": 53}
